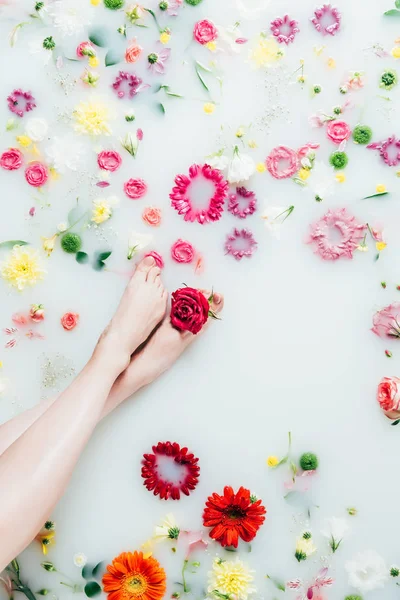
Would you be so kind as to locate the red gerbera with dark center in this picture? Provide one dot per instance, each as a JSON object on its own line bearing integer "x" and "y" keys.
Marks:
{"x": 186, "y": 463}
{"x": 233, "y": 516}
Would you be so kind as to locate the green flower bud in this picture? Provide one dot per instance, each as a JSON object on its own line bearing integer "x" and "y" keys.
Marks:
{"x": 193, "y": 2}
{"x": 71, "y": 243}
{"x": 308, "y": 461}
{"x": 388, "y": 79}
{"x": 317, "y": 89}
{"x": 163, "y": 5}
{"x": 152, "y": 58}
{"x": 43, "y": 592}
{"x": 49, "y": 43}
{"x": 48, "y": 566}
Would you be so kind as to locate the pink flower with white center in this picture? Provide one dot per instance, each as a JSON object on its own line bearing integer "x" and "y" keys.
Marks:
{"x": 128, "y": 84}
{"x": 85, "y": 49}
{"x": 387, "y": 321}
{"x": 240, "y": 243}
{"x": 284, "y": 29}
{"x": 340, "y": 221}
{"x": 205, "y": 32}
{"x": 326, "y": 19}
{"x": 158, "y": 59}
{"x": 389, "y": 150}
{"x": 20, "y": 102}
{"x": 180, "y": 195}
{"x": 242, "y": 203}
{"x": 338, "y": 131}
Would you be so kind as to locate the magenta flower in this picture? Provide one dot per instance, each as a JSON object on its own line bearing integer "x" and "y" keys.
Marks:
{"x": 20, "y": 102}
{"x": 128, "y": 83}
{"x": 284, "y": 29}
{"x": 326, "y": 19}
{"x": 240, "y": 243}
{"x": 180, "y": 195}
{"x": 243, "y": 203}
{"x": 339, "y": 221}
{"x": 157, "y": 60}
{"x": 389, "y": 150}
{"x": 387, "y": 321}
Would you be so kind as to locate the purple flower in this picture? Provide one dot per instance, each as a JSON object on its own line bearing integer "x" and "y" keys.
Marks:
{"x": 240, "y": 243}
{"x": 326, "y": 19}
{"x": 128, "y": 83}
{"x": 157, "y": 60}
{"x": 284, "y": 29}
{"x": 20, "y": 102}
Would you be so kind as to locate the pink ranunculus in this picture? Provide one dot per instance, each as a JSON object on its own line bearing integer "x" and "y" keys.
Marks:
{"x": 135, "y": 188}
{"x": 388, "y": 396}
{"x": 152, "y": 216}
{"x": 182, "y": 251}
{"x": 157, "y": 257}
{"x": 11, "y": 159}
{"x": 387, "y": 321}
{"x": 282, "y": 162}
{"x": 36, "y": 174}
{"x": 85, "y": 49}
{"x": 204, "y": 32}
{"x": 69, "y": 320}
{"x": 109, "y": 160}
{"x": 338, "y": 131}
{"x": 133, "y": 51}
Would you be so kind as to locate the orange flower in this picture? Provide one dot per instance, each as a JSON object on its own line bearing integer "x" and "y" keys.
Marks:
{"x": 133, "y": 577}
{"x": 133, "y": 51}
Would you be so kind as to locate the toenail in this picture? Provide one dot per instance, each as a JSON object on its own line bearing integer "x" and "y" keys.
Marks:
{"x": 217, "y": 298}
{"x": 149, "y": 260}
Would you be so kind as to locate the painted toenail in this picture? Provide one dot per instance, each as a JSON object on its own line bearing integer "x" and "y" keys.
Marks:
{"x": 217, "y": 298}
{"x": 148, "y": 261}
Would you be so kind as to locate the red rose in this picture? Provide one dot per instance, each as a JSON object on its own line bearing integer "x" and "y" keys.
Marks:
{"x": 189, "y": 310}
{"x": 182, "y": 251}
{"x": 109, "y": 160}
{"x": 338, "y": 131}
{"x": 135, "y": 188}
{"x": 11, "y": 159}
{"x": 36, "y": 174}
{"x": 69, "y": 321}
{"x": 389, "y": 396}
{"x": 204, "y": 32}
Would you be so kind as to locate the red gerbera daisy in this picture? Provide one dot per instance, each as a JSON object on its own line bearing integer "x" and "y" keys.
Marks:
{"x": 187, "y": 478}
{"x": 233, "y": 516}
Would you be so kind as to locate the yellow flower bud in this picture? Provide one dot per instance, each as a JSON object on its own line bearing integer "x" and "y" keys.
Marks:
{"x": 380, "y": 188}
{"x": 165, "y": 37}
{"x": 340, "y": 177}
{"x": 211, "y": 46}
{"x": 209, "y": 108}
{"x": 380, "y": 246}
{"x": 395, "y": 52}
{"x": 24, "y": 141}
{"x": 93, "y": 61}
{"x": 304, "y": 174}
{"x": 272, "y": 461}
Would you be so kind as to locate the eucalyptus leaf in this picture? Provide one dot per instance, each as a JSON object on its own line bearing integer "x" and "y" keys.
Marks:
{"x": 230, "y": 549}
{"x": 99, "y": 37}
{"x": 87, "y": 571}
{"x": 103, "y": 255}
{"x": 392, "y": 13}
{"x": 113, "y": 58}
{"x": 377, "y": 194}
{"x": 99, "y": 569}
{"x": 92, "y": 588}
{"x": 395, "y": 422}
{"x": 203, "y": 83}
{"x": 12, "y": 243}
{"x": 82, "y": 258}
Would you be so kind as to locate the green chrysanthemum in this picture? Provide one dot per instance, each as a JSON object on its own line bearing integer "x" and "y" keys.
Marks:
{"x": 71, "y": 243}
{"x": 308, "y": 461}
{"x": 388, "y": 79}
{"x": 338, "y": 160}
{"x": 193, "y": 2}
{"x": 114, "y": 4}
{"x": 362, "y": 134}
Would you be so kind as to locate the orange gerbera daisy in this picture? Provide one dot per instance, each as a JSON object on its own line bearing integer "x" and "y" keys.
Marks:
{"x": 131, "y": 576}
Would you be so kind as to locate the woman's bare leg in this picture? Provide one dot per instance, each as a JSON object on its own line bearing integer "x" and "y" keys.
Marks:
{"x": 50, "y": 447}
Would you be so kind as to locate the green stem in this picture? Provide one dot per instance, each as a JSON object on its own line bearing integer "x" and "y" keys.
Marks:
{"x": 155, "y": 19}
{"x": 185, "y": 564}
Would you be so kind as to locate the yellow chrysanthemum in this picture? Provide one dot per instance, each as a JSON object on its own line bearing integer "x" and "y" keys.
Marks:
{"x": 165, "y": 37}
{"x": 22, "y": 268}
{"x": 209, "y": 108}
{"x": 48, "y": 244}
{"x": 93, "y": 61}
{"x": 395, "y": 52}
{"x": 272, "y": 461}
{"x": 92, "y": 118}
{"x": 304, "y": 174}
{"x": 266, "y": 52}
{"x": 101, "y": 211}
{"x": 380, "y": 246}
{"x": 260, "y": 167}
{"x": 231, "y": 578}
{"x": 24, "y": 141}
{"x": 380, "y": 188}
{"x": 212, "y": 46}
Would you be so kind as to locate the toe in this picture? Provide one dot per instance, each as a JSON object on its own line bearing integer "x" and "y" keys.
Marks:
{"x": 153, "y": 273}
{"x": 218, "y": 302}
{"x": 145, "y": 266}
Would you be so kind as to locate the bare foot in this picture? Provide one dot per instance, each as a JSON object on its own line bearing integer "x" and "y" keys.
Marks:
{"x": 161, "y": 351}
{"x": 141, "y": 308}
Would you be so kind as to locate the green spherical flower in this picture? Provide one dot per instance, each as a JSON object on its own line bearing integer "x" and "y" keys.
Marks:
{"x": 114, "y": 4}
{"x": 338, "y": 160}
{"x": 362, "y": 134}
{"x": 308, "y": 461}
{"x": 388, "y": 79}
{"x": 71, "y": 243}
{"x": 193, "y": 2}
{"x": 317, "y": 89}
{"x": 163, "y": 5}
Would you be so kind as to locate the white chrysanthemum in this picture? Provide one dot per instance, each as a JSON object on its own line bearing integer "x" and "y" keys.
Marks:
{"x": 367, "y": 571}
{"x": 218, "y": 161}
{"x": 36, "y": 129}
{"x": 231, "y": 578}
{"x": 240, "y": 168}
{"x": 70, "y": 16}
{"x": 65, "y": 153}
{"x": 22, "y": 267}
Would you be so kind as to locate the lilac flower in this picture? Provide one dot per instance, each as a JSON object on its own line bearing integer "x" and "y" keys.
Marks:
{"x": 157, "y": 60}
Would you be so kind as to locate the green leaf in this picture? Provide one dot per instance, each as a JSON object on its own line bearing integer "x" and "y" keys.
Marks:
{"x": 27, "y": 592}
{"x": 104, "y": 255}
{"x": 203, "y": 83}
{"x": 82, "y": 258}
{"x": 161, "y": 107}
{"x": 230, "y": 549}
{"x": 100, "y": 257}
{"x": 392, "y": 13}
{"x": 92, "y": 588}
{"x": 278, "y": 584}
{"x": 87, "y": 571}
{"x": 377, "y": 194}
{"x": 395, "y": 422}
{"x": 12, "y": 243}
{"x": 203, "y": 67}
{"x": 113, "y": 58}
{"x": 397, "y": 4}
{"x": 174, "y": 95}
{"x": 99, "y": 37}
{"x": 99, "y": 569}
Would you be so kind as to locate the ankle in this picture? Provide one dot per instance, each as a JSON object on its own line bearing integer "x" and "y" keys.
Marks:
{"x": 110, "y": 352}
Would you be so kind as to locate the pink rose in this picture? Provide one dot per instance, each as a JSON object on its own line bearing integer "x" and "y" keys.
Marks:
{"x": 133, "y": 51}
{"x": 135, "y": 188}
{"x": 282, "y": 162}
{"x": 389, "y": 396}
{"x": 204, "y": 32}
{"x": 182, "y": 251}
{"x": 109, "y": 160}
{"x": 69, "y": 321}
{"x": 11, "y": 159}
{"x": 36, "y": 174}
{"x": 152, "y": 216}
{"x": 157, "y": 257}
{"x": 85, "y": 49}
{"x": 387, "y": 321}
{"x": 338, "y": 131}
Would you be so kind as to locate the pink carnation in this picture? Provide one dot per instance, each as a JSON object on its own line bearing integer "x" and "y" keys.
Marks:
{"x": 109, "y": 160}
{"x": 182, "y": 251}
{"x": 204, "y": 32}
{"x": 350, "y": 231}
{"x": 388, "y": 396}
{"x": 338, "y": 131}
{"x": 157, "y": 257}
{"x": 135, "y": 188}
{"x": 387, "y": 321}
{"x": 11, "y": 159}
{"x": 85, "y": 49}
{"x": 36, "y": 174}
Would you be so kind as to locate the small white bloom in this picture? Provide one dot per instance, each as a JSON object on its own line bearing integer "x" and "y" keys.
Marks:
{"x": 43, "y": 54}
{"x": 335, "y": 530}
{"x": 322, "y": 181}
{"x": 80, "y": 560}
{"x": 70, "y": 17}
{"x": 65, "y": 153}
{"x": 36, "y": 129}
{"x": 241, "y": 167}
{"x": 168, "y": 530}
{"x": 137, "y": 242}
{"x": 274, "y": 216}
{"x": 367, "y": 571}
{"x": 218, "y": 161}
{"x": 62, "y": 227}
